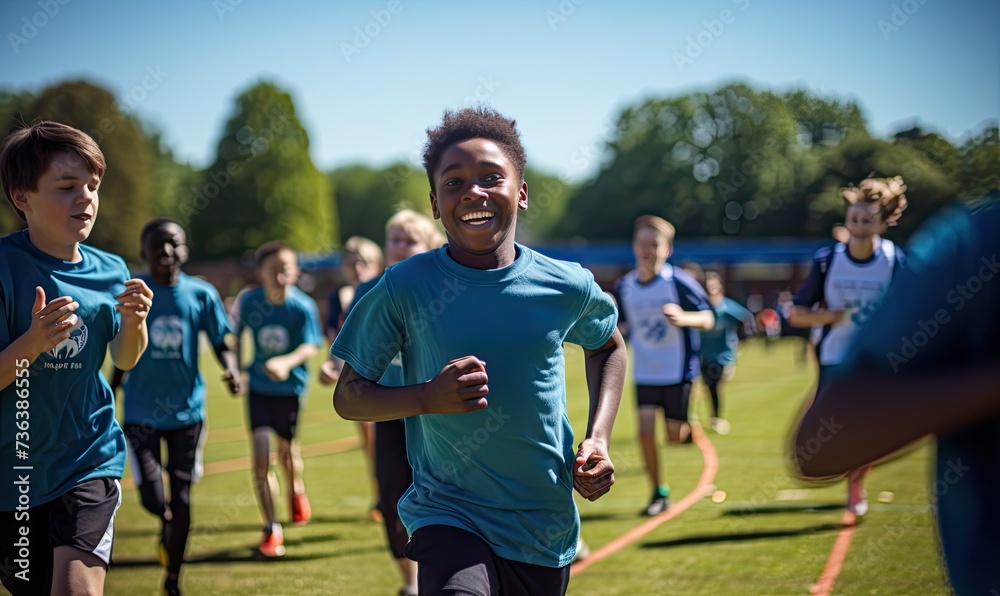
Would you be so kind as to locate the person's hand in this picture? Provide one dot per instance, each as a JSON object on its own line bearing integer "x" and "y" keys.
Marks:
{"x": 673, "y": 312}
{"x": 328, "y": 373}
{"x": 460, "y": 387}
{"x": 51, "y": 322}
{"x": 594, "y": 473}
{"x": 232, "y": 380}
{"x": 277, "y": 368}
{"x": 135, "y": 301}
{"x": 836, "y": 316}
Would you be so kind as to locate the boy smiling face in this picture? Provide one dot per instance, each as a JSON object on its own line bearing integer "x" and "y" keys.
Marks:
{"x": 478, "y": 194}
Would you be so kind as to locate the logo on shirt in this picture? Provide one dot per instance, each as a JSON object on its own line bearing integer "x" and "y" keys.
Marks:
{"x": 653, "y": 330}
{"x": 166, "y": 334}
{"x": 273, "y": 339}
{"x": 72, "y": 345}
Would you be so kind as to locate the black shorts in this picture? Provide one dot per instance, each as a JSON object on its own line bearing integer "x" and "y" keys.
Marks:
{"x": 672, "y": 398}
{"x": 454, "y": 559}
{"x": 184, "y": 451}
{"x": 83, "y": 518}
{"x": 280, "y": 413}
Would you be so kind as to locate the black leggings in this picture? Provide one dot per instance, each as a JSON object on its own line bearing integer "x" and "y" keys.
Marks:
{"x": 394, "y": 476}
{"x": 183, "y": 445}
{"x": 712, "y": 373}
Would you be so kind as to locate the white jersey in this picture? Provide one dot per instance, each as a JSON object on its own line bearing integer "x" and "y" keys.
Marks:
{"x": 855, "y": 287}
{"x": 663, "y": 354}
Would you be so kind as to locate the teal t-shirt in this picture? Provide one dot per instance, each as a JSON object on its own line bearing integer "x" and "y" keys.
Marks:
{"x": 719, "y": 344}
{"x": 503, "y": 473}
{"x": 165, "y": 390}
{"x": 942, "y": 313}
{"x": 71, "y": 434}
{"x": 278, "y": 329}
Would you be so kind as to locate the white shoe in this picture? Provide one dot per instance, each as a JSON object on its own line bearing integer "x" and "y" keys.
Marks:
{"x": 720, "y": 426}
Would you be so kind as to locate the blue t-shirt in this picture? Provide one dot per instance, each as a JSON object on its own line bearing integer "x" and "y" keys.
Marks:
{"x": 71, "y": 434}
{"x": 503, "y": 473}
{"x": 278, "y": 329}
{"x": 719, "y": 344}
{"x": 942, "y": 313}
{"x": 165, "y": 389}
{"x": 393, "y": 375}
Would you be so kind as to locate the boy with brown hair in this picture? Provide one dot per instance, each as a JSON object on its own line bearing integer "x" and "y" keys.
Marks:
{"x": 61, "y": 450}
{"x": 662, "y": 308}
{"x": 284, "y": 322}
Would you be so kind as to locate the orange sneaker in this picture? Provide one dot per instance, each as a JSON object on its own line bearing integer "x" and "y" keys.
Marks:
{"x": 301, "y": 512}
{"x": 272, "y": 546}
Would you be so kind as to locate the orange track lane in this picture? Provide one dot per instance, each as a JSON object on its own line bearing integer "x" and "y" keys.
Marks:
{"x": 711, "y": 466}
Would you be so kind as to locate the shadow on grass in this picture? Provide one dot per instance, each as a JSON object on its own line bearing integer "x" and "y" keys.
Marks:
{"x": 238, "y": 555}
{"x": 744, "y": 536}
{"x": 585, "y": 517}
{"x": 802, "y": 508}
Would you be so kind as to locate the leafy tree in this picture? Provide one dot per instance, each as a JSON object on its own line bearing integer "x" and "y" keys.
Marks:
{"x": 263, "y": 184}
{"x": 172, "y": 179}
{"x": 548, "y": 198}
{"x": 13, "y": 106}
{"x": 126, "y": 190}
{"x": 711, "y": 163}
{"x": 979, "y": 173}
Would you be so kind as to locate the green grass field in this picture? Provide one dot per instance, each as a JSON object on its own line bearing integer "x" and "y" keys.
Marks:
{"x": 772, "y": 535}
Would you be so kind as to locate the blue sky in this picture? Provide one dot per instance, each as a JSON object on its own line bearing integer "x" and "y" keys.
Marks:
{"x": 562, "y": 68}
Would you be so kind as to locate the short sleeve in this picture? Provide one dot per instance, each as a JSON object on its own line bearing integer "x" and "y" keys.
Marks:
{"x": 214, "y": 320}
{"x": 333, "y": 310}
{"x": 312, "y": 334}
{"x": 810, "y": 291}
{"x": 598, "y": 317}
{"x": 236, "y": 314}
{"x": 692, "y": 295}
{"x": 616, "y": 293}
{"x": 373, "y": 333}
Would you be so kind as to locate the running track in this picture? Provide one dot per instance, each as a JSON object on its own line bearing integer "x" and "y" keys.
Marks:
{"x": 822, "y": 587}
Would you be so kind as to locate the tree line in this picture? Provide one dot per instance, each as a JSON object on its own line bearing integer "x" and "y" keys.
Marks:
{"x": 733, "y": 161}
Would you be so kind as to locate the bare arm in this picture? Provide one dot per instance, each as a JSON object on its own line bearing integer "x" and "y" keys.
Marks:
{"x": 132, "y": 338}
{"x": 231, "y": 365}
{"x": 845, "y": 428}
{"x": 460, "y": 387}
{"x": 804, "y": 317}
{"x": 279, "y": 367}
{"x": 702, "y": 320}
{"x": 606, "y": 367}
